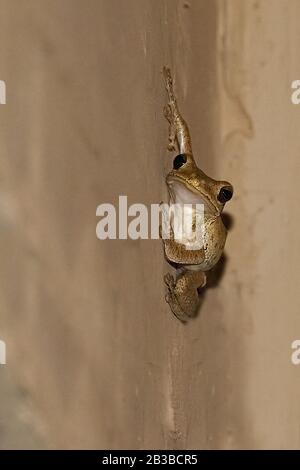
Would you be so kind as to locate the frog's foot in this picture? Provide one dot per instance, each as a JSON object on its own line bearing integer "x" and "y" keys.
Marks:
{"x": 171, "y": 299}
{"x": 168, "y": 113}
{"x": 183, "y": 293}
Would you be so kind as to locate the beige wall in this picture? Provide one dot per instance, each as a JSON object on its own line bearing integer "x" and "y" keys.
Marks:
{"x": 260, "y": 128}
{"x": 95, "y": 358}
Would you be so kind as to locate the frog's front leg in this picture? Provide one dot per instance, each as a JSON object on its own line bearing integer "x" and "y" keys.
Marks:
{"x": 177, "y": 252}
{"x": 178, "y": 130}
{"x": 182, "y": 295}
{"x": 172, "y": 129}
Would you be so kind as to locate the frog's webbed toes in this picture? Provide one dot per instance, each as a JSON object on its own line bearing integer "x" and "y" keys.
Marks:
{"x": 183, "y": 293}
{"x": 175, "y": 307}
{"x": 172, "y": 300}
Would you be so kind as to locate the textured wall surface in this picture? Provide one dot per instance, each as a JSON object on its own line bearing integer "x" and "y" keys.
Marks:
{"x": 95, "y": 358}
{"x": 260, "y": 130}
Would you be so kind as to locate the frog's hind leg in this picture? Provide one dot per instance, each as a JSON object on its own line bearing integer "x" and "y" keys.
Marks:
{"x": 182, "y": 295}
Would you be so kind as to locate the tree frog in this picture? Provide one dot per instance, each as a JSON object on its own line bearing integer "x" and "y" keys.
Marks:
{"x": 187, "y": 184}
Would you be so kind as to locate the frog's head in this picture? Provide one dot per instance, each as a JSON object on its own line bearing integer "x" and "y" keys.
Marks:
{"x": 189, "y": 185}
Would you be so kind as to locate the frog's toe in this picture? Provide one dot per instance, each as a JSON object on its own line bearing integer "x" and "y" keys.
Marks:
{"x": 172, "y": 300}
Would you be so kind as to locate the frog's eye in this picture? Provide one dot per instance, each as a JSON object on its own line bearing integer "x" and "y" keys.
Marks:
{"x": 225, "y": 194}
{"x": 179, "y": 161}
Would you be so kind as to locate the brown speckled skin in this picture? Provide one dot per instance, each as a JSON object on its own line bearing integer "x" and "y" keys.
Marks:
{"x": 182, "y": 295}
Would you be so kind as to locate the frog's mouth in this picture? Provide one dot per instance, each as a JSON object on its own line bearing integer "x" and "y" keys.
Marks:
{"x": 182, "y": 193}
